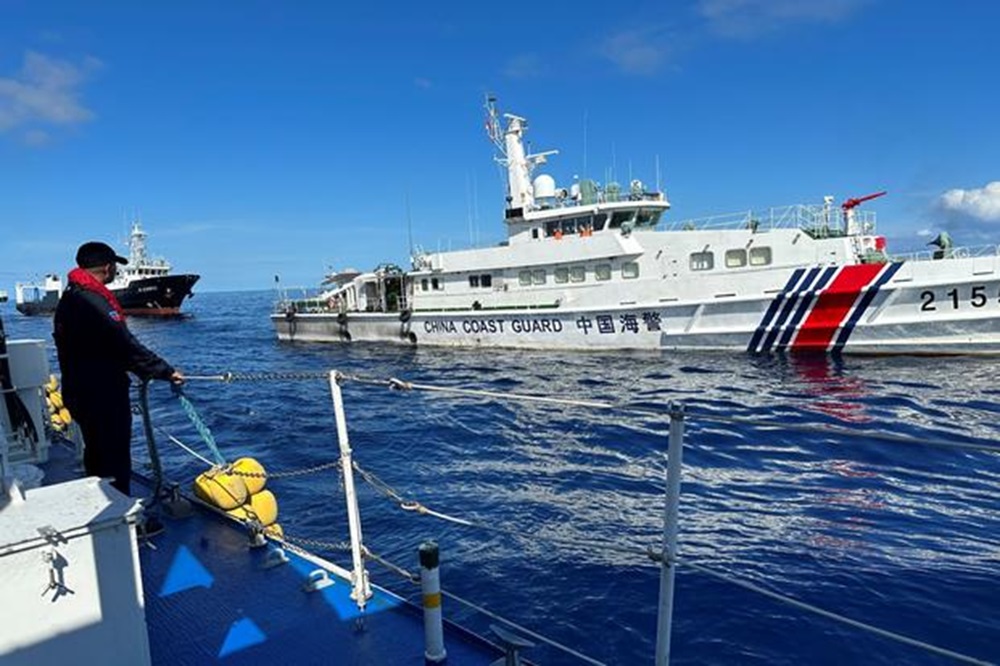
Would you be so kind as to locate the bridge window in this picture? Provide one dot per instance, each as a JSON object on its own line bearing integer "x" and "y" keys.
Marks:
{"x": 760, "y": 256}
{"x": 473, "y": 281}
{"x": 562, "y": 275}
{"x": 524, "y": 278}
{"x": 602, "y": 272}
{"x": 620, "y": 218}
{"x": 647, "y": 218}
{"x": 423, "y": 285}
{"x": 630, "y": 270}
{"x": 437, "y": 284}
{"x": 538, "y": 276}
{"x": 702, "y": 261}
{"x": 577, "y": 274}
{"x": 736, "y": 258}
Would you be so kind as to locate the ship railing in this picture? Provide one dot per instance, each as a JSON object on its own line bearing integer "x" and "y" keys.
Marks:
{"x": 964, "y": 252}
{"x": 304, "y": 300}
{"x": 666, "y": 556}
{"x": 818, "y": 220}
{"x": 598, "y": 197}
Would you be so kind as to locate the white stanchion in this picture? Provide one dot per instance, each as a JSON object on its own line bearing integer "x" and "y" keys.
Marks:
{"x": 361, "y": 590}
{"x": 430, "y": 586}
{"x": 664, "y": 619}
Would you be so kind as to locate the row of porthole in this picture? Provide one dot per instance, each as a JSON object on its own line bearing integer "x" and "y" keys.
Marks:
{"x": 538, "y": 276}
{"x": 736, "y": 258}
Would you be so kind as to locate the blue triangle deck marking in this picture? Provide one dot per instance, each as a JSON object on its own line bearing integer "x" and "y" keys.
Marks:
{"x": 242, "y": 634}
{"x": 185, "y": 573}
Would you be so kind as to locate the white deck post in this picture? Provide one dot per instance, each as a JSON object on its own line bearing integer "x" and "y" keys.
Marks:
{"x": 361, "y": 590}
{"x": 664, "y": 620}
{"x": 430, "y": 585}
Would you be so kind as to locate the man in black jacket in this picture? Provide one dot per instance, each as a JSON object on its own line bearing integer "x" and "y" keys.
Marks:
{"x": 96, "y": 353}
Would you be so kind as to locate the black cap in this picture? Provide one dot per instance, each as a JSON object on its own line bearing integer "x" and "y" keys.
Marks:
{"x": 96, "y": 253}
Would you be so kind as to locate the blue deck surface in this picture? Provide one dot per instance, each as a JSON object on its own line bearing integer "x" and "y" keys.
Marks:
{"x": 211, "y": 598}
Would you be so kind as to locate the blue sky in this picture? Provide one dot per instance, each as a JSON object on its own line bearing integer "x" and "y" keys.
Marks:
{"x": 262, "y": 138}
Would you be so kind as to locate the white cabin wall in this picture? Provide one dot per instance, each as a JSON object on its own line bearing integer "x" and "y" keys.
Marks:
{"x": 664, "y": 261}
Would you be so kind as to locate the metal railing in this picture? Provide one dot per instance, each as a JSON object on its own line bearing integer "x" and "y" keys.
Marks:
{"x": 951, "y": 253}
{"x": 816, "y": 218}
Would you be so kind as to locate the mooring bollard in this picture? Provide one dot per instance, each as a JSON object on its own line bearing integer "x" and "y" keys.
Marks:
{"x": 430, "y": 585}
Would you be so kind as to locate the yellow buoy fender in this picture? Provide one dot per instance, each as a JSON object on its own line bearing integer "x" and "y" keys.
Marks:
{"x": 56, "y": 398}
{"x": 52, "y": 384}
{"x": 262, "y": 506}
{"x": 65, "y": 417}
{"x": 252, "y": 472}
{"x": 275, "y": 531}
{"x": 226, "y": 491}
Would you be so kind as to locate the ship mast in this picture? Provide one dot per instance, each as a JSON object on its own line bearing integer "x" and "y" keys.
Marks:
{"x": 520, "y": 193}
{"x": 137, "y": 246}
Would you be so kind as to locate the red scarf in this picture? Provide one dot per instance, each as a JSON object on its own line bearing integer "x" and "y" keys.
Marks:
{"x": 85, "y": 280}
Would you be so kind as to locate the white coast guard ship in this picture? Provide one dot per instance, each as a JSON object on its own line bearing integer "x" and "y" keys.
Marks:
{"x": 590, "y": 267}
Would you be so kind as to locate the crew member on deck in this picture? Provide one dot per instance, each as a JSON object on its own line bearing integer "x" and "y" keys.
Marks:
{"x": 96, "y": 352}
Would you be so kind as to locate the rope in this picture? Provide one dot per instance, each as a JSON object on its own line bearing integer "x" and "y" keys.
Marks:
{"x": 235, "y": 472}
{"x": 411, "y": 505}
{"x": 184, "y": 446}
{"x": 419, "y": 508}
{"x": 230, "y": 377}
{"x": 826, "y": 429}
{"x": 412, "y": 577}
{"x": 290, "y": 473}
{"x": 199, "y": 425}
{"x": 402, "y": 385}
{"x": 154, "y": 454}
{"x": 338, "y": 546}
{"x": 801, "y": 605}
{"x": 653, "y": 555}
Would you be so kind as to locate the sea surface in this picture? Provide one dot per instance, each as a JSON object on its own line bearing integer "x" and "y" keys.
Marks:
{"x": 565, "y": 500}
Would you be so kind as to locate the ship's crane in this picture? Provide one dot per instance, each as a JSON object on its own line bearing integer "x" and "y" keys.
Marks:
{"x": 854, "y": 203}
{"x": 850, "y": 227}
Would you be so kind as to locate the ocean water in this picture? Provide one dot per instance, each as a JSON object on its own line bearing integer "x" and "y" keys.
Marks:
{"x": 902, "y": 536}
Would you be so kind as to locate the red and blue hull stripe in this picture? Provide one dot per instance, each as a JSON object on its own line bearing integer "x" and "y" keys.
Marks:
{"x": 866, "y": 300}
{"x": 819, "y": 308}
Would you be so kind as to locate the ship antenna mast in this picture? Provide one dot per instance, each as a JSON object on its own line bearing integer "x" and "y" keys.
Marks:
{"x": 493, "y": 127}
{"x": 510, "y": 143}
{"x": 495, "y": 133}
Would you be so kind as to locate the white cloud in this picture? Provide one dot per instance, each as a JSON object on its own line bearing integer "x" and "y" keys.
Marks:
{"x": 36, "y": 137}
{"x": 524, "y": 66}
{"x": 750, "y": 18}
{"x": 645, "y": 50}
{"x": 46, "y": 91}
{"x": 639, "y": 51}
{"x": 982, "y": 203}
